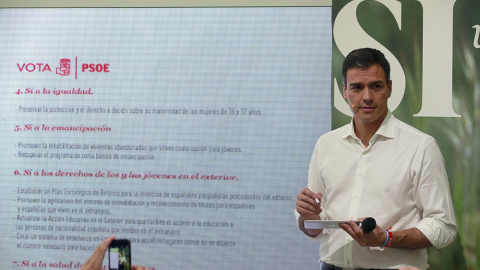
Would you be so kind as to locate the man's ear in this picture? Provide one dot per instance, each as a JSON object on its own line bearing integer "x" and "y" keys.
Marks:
{"x": 344, "y": 91}
{"x": 389, "y": 85}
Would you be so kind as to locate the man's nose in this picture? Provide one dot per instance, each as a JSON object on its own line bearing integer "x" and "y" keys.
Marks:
{"x": 367, "y": 95}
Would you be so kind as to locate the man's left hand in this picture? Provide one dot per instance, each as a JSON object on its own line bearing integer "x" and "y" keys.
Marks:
{"x": 375, "y": 238}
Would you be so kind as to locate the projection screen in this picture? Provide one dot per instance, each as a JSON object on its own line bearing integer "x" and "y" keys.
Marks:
{"x": 187, "y": 130}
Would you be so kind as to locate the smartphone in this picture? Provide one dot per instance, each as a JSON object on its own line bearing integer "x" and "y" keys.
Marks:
{"x": 119, "y": 255}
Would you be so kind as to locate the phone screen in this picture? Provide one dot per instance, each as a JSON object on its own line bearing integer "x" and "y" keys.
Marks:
{"x": 119, "y": 255}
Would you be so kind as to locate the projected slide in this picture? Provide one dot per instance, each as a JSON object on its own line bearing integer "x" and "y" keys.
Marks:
{"x": 186, "y": 130}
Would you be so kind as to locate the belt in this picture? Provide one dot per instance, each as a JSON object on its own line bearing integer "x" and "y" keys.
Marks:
{"x": 326, "y": 266}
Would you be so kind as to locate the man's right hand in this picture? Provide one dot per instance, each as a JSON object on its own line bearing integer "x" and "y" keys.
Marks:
{"x": 308, "y": 209}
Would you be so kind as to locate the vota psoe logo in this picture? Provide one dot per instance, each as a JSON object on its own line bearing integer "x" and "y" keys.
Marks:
{"x": 65, "y": 67}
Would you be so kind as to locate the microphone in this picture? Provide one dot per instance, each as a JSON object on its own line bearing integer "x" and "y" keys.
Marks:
{"x": 368, "y": 224}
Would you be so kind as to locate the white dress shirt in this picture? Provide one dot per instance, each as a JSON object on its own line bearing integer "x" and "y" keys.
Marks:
{"x": 399, "y": 179}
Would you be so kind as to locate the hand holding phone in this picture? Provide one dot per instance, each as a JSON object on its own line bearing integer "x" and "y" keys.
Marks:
{"x": 119, "y": 255}
{"x": 94, "y": 262}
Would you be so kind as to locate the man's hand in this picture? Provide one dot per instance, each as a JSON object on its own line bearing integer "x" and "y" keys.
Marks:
{"x": 94, "y": 262}
{"x": 375, "y": 238}
{"x": 409, "y": 238}
{"x": 308, "y": 208}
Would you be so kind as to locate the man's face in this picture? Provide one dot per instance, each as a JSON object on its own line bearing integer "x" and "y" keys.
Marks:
{"x": 367, "y": 92}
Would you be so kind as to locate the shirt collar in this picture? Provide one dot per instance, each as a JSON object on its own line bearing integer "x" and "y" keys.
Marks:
{"x": 386, "y": 129}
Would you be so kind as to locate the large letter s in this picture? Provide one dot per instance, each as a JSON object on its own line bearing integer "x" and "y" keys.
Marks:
{"x": 349, "y": 35}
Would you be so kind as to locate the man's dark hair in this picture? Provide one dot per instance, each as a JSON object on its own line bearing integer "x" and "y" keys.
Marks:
{"x": 363, "y": 59}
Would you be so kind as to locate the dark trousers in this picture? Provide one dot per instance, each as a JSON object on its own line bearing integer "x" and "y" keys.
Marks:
{"x": 326, "y": 266}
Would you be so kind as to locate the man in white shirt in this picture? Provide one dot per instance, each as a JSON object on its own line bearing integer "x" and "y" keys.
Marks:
{"x": 376, "y": 166}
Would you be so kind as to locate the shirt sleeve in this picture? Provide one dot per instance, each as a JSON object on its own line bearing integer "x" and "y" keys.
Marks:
{"x": 432, "y": 195}
{"x": 315, "y": 181}
{"x": 314, "y": 184}
{"x": 316, "y": 238}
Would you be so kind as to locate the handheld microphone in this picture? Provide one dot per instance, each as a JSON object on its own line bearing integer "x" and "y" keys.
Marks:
{"x": 368, "y": 224}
